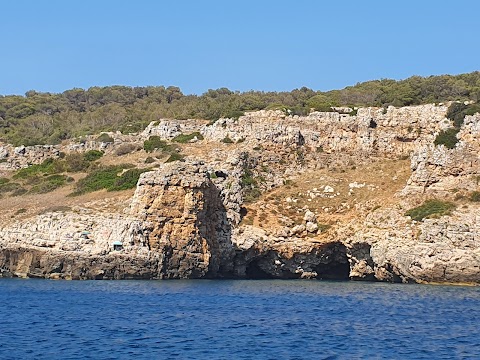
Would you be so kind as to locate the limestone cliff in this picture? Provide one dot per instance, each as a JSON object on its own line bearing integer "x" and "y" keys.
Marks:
{"x": 206, "y": 218}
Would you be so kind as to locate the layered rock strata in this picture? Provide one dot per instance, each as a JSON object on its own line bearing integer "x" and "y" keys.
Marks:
{"x": 184, "y": 220}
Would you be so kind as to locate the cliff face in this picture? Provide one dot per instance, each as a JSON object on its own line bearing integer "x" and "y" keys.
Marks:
{"x": 185, "y": 219}
{"x": 372, "y": 131}
{"x": 199, "y": 219}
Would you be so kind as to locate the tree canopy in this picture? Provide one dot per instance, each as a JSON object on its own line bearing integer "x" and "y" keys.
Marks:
{"x": 39, "y": 118}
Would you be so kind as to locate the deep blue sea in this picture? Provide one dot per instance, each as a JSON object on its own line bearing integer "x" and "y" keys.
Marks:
{"x": 203, "y": 319}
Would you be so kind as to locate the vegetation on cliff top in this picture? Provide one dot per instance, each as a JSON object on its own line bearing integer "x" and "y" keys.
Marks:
{"x": 456, "y": 112}
{"x": 39, "y": 118}
{"x": 431, "y": 208}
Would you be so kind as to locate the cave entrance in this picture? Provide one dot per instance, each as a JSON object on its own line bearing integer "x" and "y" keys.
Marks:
{"x": 338, "y": 268}
{"x": 255, "y": 272}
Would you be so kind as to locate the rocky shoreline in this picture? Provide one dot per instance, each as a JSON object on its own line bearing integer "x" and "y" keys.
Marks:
{"x": 189, "y": 219}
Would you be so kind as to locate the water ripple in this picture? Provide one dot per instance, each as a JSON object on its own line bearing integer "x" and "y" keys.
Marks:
{"x": 236, "y": 320}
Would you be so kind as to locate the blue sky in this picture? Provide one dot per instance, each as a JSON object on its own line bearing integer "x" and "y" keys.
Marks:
{"x": 53, "y": 45}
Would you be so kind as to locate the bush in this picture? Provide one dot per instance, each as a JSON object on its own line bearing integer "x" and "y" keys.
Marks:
{"x": 92, "y": 155}
{"x": 175, "y": 157}
{"x": 4, "y": 180}
{"x": 457, "y": 112}
{"x": 447, "y": 137}
{"x": 227, "y": 140}
{"x": 126, "y": 149}
{"x": 107, "y": 178}
{"x": 75, "y": 162}
{"x": 18, "y": 192}
{"x": 46, "y": 167}
{"x": 49, "y": 184}
{"x": 99, "y": 179}
{"x": 185, "y": 138}
{"x": 8, "y": 187}
{"x": 104, "y": 137}
{"x": 234, "y": 114}
{"x": 250, "y": 186}
{"x": 155, "y": 143}
{"x": 431, "y": 208}
{"x": 475, "y": 196}
{"x": 127, "y": 180}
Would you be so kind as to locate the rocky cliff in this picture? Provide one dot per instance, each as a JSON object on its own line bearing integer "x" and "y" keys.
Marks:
{"x": 251, "y": 209}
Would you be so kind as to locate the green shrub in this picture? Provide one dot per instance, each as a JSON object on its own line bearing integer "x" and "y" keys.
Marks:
{"x": 20, "y": 211}
{"x": 324, "y": 227}
{"x": 102, "y": 178}
{"x": 8, "y": 187}
{"x": 447, "y": 137}
{"x": 46, "y": 167}
{"x": 108, "y": 178}
{"x": 457, "y": 112}
{"x": 92, "y": 155}
{"x": 250, "y": 186}
{"x": 4, "y": 180}
{"x": 175, "y": 157}
{"x": 227, "y": 140}
{"x": 127, "y": 180}
{"x": 475, "y": 196}
{"x": 104, "y": 137}
{"x": 149, "y": 160}
{"x": 431, "y": 208}
{"x": 155, "y": 143}
{"x": 126, "y": 149}
{"x": 18, "y": 192}
{"x": 234, "y": 114}
{"x": 75, "y": 162}
{"x": 185, "y": 138}
{"x": 49, "y": 184}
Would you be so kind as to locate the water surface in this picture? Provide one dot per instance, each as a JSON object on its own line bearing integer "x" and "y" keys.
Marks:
{"x": 201, "y": 319}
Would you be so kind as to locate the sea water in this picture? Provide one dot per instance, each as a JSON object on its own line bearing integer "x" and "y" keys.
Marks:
{"x": 203, "y": 319}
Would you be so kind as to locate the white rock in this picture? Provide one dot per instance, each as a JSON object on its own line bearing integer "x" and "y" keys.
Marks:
{"x": 311, "y": 227}
{"x": 309, "y": 216}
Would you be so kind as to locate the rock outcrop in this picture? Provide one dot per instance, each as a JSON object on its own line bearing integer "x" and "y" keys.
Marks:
{"x": 185, "y": 218}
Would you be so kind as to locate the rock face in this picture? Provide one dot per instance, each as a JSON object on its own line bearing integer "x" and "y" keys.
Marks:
{"x": 373, "y": 131}
{"x": 399, "y": 250}
{"x": 23, "y": 156}
{"x": 184, "y": 220}
{"x": 436, "y": 168}
{"x": 76, "y": 246}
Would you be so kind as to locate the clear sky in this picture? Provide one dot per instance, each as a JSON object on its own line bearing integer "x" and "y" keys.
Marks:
{"x": 55, "y": 45}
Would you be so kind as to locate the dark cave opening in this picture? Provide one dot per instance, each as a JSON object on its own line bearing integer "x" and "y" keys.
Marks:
{"x": 338, "y": 268}
{"x": 333, "y": 271}
{"x": 255, "y": 272}
{"x": 372, "y": 124}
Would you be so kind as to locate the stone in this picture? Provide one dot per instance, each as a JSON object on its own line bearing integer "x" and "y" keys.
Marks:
{"x": 311, "y": 227}
{"x": 309, "y": 216}
{"x": 297, "y": 229}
